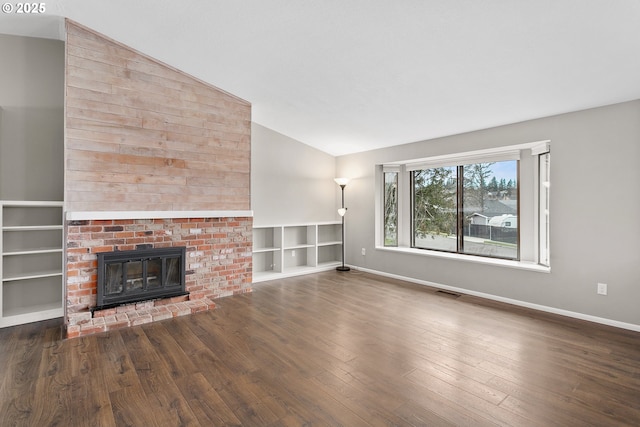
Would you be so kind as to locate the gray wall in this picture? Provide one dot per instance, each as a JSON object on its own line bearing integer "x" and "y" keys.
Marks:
{"x": 595, "y": 203}
{"x": 32, "y": 118}
{"x": 291, "y": 183}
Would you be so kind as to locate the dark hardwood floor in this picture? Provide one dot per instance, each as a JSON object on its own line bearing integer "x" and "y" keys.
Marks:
{"x": 334, "y": 349}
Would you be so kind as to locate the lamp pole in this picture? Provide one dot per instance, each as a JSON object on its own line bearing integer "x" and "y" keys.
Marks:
{"x": 342, "y": 182}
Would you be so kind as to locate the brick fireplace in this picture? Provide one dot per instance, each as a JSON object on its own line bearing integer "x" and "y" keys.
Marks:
{"x": 154, "y": 158}
{"x": 218, "y": 264}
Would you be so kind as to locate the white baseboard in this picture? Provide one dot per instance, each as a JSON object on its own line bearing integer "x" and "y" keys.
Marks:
{"x": 581, "y": 316}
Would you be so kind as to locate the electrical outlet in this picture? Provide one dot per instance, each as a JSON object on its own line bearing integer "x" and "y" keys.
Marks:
{"x": 364, "y": 251}
{"x": 293, "y": 254}
{"x": 602, "y": 288}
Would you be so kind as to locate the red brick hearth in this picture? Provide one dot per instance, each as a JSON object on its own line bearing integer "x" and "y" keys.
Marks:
{"x": 218, "y": 264}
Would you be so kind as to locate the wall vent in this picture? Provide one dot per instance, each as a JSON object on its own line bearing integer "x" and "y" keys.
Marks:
{"x": 450, "y": 294}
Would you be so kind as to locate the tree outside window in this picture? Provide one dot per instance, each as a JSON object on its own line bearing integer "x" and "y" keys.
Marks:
{"x": 435, "y": 208}
{"x": 471, "y": 208}
{"x": 391, "y": 208}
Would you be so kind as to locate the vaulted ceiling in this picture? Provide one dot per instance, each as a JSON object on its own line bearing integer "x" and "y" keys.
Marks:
{"x": 351, "y": 75}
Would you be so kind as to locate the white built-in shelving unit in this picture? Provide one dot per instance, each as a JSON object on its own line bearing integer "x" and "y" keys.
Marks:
{"x": 31, "y": 269}
{"x": 290, "y": 250}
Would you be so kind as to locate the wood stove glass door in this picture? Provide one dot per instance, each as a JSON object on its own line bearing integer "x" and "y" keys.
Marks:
{"x": 154, "y": 273}
{"x": 135, "y": 277}
{"x": 113, "y": 283}
{"x": 173, "y": 272}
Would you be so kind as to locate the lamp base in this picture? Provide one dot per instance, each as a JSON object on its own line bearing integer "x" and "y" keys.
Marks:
{"x": 343, "y": 268}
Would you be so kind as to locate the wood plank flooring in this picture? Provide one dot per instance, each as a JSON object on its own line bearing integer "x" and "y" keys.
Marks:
{"x": 330, "y": 349}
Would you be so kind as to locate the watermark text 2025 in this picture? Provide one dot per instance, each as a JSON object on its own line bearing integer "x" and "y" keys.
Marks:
{"x": 24, "y": 7}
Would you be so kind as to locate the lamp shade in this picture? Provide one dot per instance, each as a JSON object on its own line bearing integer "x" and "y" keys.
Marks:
{"x": 341, "y": 181}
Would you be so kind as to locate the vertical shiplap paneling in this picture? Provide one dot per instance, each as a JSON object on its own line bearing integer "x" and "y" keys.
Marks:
{"x": 141, "y": 135}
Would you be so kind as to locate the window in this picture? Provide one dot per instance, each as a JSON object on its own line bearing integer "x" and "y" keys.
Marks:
{"x": 484, "y": 205}
{"x": 544, "y": 161}
{"x": 471, "y": 209}
{"x": 434, "y": 209}
{"x": 391, "y": 208}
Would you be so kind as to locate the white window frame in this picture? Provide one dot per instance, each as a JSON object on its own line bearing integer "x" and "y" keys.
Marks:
{"x": 529, "y": 212}
{"x": 543, "y": 192}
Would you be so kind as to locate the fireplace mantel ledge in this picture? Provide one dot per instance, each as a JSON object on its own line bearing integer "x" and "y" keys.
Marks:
{"x": 112, "y": 215}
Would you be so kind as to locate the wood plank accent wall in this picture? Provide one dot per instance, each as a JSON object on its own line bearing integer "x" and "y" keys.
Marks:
{"x": 141, "y": 135}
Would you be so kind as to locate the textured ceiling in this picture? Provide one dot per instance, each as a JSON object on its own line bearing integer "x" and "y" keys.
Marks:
{"x": 352, "y": 75}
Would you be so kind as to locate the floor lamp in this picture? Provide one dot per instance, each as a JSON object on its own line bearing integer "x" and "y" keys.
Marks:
{"x": 342, "y": 182}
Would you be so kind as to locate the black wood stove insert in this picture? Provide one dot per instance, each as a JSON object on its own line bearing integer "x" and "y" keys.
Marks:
{"x": 126, "y": 277}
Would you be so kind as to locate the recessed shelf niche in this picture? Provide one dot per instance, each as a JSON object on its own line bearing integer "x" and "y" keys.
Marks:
{"x": 32, "y": 261}
{"x": 290, "y": 250}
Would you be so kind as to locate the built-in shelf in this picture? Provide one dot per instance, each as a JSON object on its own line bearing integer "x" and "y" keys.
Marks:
{"x": 260, "y": 250}
{"x": 31, "y": 271}
{"x": 34, "y": 312}
{"x": 32, "y": 228}
{"x": 291, "y": 250}
{"x": 35, "y": 251}
{"x": 29, "y": 276}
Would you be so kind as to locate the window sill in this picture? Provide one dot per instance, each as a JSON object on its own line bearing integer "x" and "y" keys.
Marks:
{"x": 521, "y": 265}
